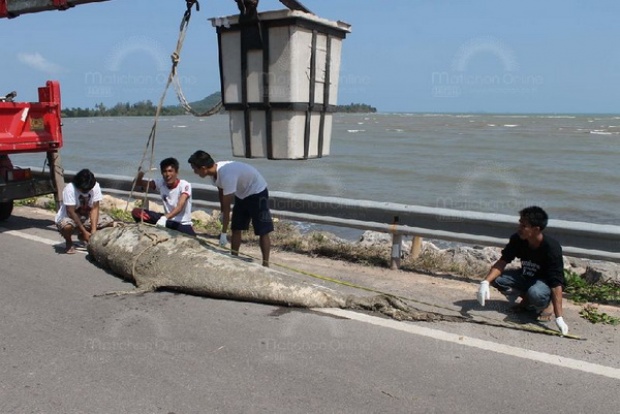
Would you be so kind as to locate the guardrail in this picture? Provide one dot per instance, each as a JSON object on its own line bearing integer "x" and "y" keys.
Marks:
{"x": 578, "y": 239}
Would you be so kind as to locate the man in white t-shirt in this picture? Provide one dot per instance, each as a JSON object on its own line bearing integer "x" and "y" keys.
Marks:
{"x": 242, "y": 184}
{"x": 176, "y": 196}
{"x": 80, "y": 208}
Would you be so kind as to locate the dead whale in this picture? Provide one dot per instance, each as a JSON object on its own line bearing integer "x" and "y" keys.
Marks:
{"x": 157, "y": 258}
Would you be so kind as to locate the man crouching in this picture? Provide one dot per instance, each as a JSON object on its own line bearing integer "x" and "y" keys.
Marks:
{"x": 540, "y": 280}
{"x": 80, "y": 209}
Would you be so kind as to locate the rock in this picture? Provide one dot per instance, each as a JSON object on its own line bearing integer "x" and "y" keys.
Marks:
{"x": 602, "y": 272}
{"x": 203, "y": 216}
{"x": 113, "y": 203}
{"x": 373, "y": 239}
{"x": 476, "y": 254}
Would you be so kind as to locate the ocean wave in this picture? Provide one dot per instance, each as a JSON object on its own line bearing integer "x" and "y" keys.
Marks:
{"x": 600, "y": 132}
{"x": 353, "y": 131}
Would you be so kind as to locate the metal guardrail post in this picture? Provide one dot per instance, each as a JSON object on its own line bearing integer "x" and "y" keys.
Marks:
{"x": 397, "y": 241}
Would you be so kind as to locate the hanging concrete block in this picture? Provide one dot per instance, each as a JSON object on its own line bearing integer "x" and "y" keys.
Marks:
{"x": 279, "y": 79}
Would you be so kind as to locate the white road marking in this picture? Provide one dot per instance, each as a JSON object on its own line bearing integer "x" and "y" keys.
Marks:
{"x": 428, "y": 332}
{"x": 29, "y": 237}
{"x": 478, "y": 343}
{"x": 34, "y": 238}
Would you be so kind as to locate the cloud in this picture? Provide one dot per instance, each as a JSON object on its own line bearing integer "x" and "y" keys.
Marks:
{"x": 38, "y": 62}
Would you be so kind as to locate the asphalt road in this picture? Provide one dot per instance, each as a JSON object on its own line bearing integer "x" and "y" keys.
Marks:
{"x": 65, "y": 350}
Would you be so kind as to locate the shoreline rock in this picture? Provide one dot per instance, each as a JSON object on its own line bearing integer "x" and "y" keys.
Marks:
{"x": 473, "y": 257}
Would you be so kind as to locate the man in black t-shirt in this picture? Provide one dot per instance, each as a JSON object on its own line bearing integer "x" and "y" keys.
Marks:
{"x": 541, "y": 279}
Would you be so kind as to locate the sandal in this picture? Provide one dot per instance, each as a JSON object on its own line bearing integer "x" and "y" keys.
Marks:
{"x": 70, "y": 250}
{"x": 545, "y": 317}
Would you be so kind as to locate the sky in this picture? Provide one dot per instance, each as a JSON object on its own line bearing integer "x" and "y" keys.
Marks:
{"x": 551, "y": 56}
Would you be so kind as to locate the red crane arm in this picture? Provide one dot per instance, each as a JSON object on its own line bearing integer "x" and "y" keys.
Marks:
{"x": 13, "y": 8}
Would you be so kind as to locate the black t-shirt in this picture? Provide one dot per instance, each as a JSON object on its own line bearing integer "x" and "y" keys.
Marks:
{"x": 544, "y": 263}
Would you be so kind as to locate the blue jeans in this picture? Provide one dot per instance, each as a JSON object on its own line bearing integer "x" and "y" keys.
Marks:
{"x": 536, "y": 292}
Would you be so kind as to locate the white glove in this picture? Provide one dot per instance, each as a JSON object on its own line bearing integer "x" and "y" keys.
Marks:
{"x": 562, "y": 326}
{"x": 161, "y": 222}
{"x": 483, "y": 292}
{"x": 223, "y": 239}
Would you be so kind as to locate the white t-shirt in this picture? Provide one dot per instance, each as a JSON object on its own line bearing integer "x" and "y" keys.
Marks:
{"x": 83, "y": 202}
{"x": 170, "y": 199}
{"x": 239, "y": 178}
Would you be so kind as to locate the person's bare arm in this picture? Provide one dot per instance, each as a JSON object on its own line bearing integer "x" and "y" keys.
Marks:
{"x": 225, "y": 206}
{"x": 179, "y": 207}
{"x": 141, "y": 182}
{"x": 556, "y": 300}
{"x": 496, "y": 270}
{"x": 73, "y": 215}
{"x": 94, "y": 220}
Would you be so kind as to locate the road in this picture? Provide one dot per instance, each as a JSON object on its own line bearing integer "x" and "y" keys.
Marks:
{"x": 66, "y": 350}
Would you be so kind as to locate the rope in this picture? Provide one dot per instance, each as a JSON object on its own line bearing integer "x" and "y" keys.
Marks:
{"x": 172, "y": 79}
{"x": 176, "y": 57}
{"x": 485, "y": 319}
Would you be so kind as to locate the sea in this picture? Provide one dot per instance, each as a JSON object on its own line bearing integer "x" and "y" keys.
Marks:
{"x": 567, "y": 164}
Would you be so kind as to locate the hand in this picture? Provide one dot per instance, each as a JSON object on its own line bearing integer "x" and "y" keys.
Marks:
{"x": 161, "y": 222}
{"x": 223, "y": 239}
{"x": 139, "y": 174}
{"x": 86, "y": 237}
{"x": 483, "y": 292}
{"x": 562, "y": 326}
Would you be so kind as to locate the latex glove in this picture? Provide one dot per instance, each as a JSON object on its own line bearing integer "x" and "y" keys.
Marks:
{"x": 161, "y": 222}
{"x": 223, "y": 239}
{"x": 562, "y": 326}
{"x": 483, "y": 292}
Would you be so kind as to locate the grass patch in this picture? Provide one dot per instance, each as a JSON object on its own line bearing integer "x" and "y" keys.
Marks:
{"x": 120, "y": 214}
{"x": 45, "y": 202}
{"x": 592, "y": 314}
{"x": 580, "y": 291}
{"x": 26, "y": 202}
{"x": 210, "y": 226}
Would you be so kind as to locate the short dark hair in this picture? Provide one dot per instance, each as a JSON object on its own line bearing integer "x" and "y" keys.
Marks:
{"x": 169, "y": 162}
{"x": 84, "y": 180}
{"x": 535, "y": 216}
{"x": 201, "y": 159}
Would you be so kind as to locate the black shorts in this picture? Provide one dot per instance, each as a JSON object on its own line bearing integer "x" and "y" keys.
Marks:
{"x": 253, "y": 208}
{"x": 151, "y": 217}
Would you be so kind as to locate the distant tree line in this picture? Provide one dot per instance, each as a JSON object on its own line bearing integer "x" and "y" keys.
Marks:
{"x": 147, "y": 108}
{"x": 143, "y": 108}
{"x": 356, "y": 108}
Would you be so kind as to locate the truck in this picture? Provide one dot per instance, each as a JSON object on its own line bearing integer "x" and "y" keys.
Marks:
{"x": 30, "y": 127}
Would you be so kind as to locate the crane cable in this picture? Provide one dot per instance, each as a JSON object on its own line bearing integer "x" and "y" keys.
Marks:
{"x": 176, "y": 57}
{"x": 174, "y": 80}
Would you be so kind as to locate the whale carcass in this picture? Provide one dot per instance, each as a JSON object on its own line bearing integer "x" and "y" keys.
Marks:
{"x": 157, "y": 258}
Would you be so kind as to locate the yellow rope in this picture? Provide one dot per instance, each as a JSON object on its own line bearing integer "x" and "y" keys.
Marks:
{"x": 494, "y": 322}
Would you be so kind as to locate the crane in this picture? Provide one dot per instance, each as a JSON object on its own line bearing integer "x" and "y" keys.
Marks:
{"x": 288, "y": 119}
{"x": 14, "y": 8}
